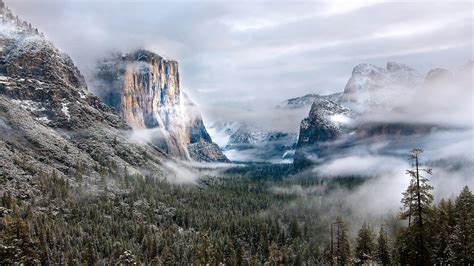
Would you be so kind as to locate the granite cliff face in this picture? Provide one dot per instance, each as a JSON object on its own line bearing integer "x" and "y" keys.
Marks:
{"x": 145, "y": 89}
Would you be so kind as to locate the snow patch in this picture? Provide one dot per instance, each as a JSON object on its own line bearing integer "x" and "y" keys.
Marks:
{"x": 43, "y": 119}
{"x": 339, "y": 119}
{"x": 82, "y": 95}
{"x": 65, "y": 111}
{"x": 29, "y": 105}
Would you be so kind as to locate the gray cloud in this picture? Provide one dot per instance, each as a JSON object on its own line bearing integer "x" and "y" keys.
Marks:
{"x": 255, "y": 54}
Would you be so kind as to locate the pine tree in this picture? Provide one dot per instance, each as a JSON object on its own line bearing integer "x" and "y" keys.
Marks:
{"x": 294, "y": 229}
{"x": 416, "y": 201}
{"x": 382, "y": 251}
{"x": 442, "y": 230}
{"x": 364, "y": 244}
{"x": 464, "y": 229}
{"x": 341, "y": 250}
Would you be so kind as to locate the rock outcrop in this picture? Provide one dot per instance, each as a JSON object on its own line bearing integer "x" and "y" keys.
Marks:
{"x": 327, "y": 120}
{"x": 145, "y": 89}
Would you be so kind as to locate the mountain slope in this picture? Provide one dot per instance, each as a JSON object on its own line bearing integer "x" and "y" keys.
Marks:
{"x": 52, "y": 126}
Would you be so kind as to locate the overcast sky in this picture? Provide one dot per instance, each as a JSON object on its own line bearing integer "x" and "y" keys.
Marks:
{"x": 245, "y": 56}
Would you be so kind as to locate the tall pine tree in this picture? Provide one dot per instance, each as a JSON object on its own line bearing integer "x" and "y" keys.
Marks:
{"x": 416, "y": 201}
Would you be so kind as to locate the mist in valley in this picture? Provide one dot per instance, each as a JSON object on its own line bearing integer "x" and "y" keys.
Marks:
{"x": 264, "y": 133}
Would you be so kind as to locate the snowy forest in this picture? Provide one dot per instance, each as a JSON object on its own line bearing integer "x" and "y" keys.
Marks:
{"x": 233, "y": 220}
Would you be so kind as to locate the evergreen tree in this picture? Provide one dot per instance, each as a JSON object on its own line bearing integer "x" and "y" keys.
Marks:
{"x": 207, "y": 253}
{"x": 464, "y": 229}
{"x": 442, "y": 231}
{"x": 416, "y": 201}
{"x": 342, "y": 249}
{"x": 382, "y": 251}
{"x": 364, "y": 244}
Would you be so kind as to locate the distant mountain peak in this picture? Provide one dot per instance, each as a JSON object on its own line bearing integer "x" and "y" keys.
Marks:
{"x": 371, "y": 87}
{"x": 306, "y": 100}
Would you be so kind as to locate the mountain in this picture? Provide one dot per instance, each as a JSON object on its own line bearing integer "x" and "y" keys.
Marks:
{"x": 306, "y": 100}
{"x": 145, "y": 89}
{"x": 372, "y": 88}
{"x": 52, "y": 126}
{"x": 326, "y": 121}
{"x": 242, "y": 142}
{"x": 384, "y": 106}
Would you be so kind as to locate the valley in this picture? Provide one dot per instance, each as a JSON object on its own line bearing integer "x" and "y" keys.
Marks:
{"x": 120, "y": 162}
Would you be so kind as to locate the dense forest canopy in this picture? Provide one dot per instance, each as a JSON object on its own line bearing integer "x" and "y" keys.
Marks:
{"x": 242, "y": 217}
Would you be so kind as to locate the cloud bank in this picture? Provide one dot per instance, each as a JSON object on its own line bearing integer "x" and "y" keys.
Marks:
{"x": 252, "y": 55}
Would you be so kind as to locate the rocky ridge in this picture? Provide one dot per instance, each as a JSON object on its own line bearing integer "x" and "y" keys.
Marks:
{"x": 307, "y": 100}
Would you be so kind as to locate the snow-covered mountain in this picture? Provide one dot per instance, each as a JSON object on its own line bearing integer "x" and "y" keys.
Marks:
{"x": 307, "y": 100}
{"x": 377, "y": 105}
{"x": 326, "y": 121}
{"x": 372, "y": 88}
{"x": 242, "y": 142}
{"x": 51, "y": 125}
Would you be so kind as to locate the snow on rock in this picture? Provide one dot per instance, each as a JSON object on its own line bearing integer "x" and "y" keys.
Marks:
{"x": 43, "y": 119}
{"x": 243, "y": 142}
{"x": 29, "y": 105}
{"x": 65, "y": 111}
{"x": 373, "y": 88}
{"x": 307, "y": 100}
